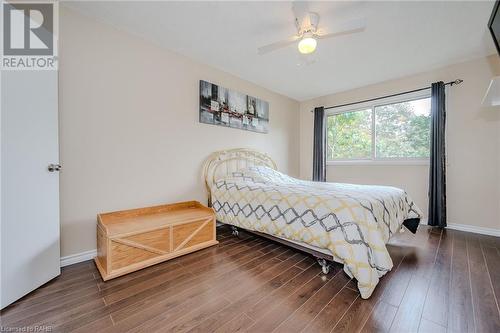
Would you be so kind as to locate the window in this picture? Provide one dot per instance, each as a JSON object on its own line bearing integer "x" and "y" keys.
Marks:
{"x": 350, "y": 135}
{"x": 390, "y": 130}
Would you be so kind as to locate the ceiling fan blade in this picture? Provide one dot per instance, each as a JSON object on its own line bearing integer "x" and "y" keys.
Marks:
{"x": 344, "y": 28}
{"x": 300, "y": 11}
{"x": 278, "y": 45}
{"x": 300, "y": 8}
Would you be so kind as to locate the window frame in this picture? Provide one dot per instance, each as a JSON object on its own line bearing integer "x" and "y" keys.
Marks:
{"x": 373, "y": 160}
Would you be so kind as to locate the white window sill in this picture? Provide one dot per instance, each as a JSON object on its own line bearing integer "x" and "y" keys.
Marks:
{"x": 379, "y": 162}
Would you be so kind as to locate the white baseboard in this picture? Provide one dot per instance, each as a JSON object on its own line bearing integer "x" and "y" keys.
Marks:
{"x": 78, "y": 257}
{"x": 470, "y": 228}
{"x": 474, "y": 229}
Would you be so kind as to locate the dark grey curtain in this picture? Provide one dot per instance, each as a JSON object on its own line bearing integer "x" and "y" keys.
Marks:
{"x": 437, "y": 172}
{"x": 319, "y": 145}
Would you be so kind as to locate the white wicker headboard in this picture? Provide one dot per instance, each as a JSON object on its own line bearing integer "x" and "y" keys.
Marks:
{"x": 224, "y": 162}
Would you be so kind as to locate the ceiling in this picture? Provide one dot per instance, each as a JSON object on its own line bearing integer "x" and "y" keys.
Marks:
{"x": 401, "y": 38}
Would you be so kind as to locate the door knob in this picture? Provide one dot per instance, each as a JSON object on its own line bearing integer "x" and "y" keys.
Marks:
{"x": 54, "y": 167}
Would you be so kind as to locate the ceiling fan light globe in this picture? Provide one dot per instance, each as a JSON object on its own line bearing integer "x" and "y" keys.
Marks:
{"x": 307, "y": 45}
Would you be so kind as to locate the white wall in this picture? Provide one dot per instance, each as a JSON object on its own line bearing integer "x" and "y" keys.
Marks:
{"x": 129, "y": 129}
{"x": 473, "y": 141}
{"x": 413, "y": 178}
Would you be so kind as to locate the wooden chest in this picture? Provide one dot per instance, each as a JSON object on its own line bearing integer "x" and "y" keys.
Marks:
{"x": 134, "y": 239}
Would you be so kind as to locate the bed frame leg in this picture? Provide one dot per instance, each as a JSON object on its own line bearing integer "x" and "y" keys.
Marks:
{"x": 234, "y": 231}
{"x": 325, "y": 266}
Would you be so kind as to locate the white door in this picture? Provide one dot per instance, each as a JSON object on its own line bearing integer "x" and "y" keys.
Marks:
{"x": 30, "y": 253}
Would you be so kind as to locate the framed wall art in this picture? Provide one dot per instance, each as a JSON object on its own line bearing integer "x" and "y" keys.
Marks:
{"x": 229, "y": 108}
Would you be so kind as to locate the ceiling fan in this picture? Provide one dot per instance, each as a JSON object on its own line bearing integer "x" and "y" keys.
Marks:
{"x": 308, "y": 32}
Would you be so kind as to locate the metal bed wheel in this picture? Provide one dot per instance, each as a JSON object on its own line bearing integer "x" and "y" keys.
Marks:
{"x": 234, "y": 231}
{"x": 325, "y": 266}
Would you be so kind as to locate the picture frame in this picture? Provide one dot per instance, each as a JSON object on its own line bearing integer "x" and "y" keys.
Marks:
{"x": 228, "y": 108}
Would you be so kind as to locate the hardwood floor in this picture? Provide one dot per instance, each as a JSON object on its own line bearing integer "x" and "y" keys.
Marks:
{"x": 441, "y": 281}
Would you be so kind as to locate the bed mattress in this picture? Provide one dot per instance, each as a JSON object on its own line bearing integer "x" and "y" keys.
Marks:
{"x": 352, "y": 222}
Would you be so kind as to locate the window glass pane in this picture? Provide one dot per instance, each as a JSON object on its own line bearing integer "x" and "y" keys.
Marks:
{"x": 350, "y": 135}
{"x": 403, "y": 129}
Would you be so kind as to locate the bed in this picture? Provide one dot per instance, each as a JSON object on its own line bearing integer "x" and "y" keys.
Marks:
{"x": 346, "y": 223}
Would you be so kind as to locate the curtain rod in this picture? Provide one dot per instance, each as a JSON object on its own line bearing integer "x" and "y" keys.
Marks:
{"x": 451, "y": 83}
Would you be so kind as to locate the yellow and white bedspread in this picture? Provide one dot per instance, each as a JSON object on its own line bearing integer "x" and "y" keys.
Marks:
{"x": 354, "y": 222}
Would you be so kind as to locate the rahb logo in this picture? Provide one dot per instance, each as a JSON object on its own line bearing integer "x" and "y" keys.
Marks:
{"x": 29, "y": 35}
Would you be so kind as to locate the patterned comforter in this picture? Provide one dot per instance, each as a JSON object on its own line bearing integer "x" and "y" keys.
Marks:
{"x": 354, "y": 222}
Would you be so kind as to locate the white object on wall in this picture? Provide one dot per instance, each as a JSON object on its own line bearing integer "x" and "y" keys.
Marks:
{"x": 492, "y": 96}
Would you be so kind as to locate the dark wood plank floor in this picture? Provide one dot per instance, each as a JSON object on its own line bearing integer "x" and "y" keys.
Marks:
{"x": 441, "y": 281}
